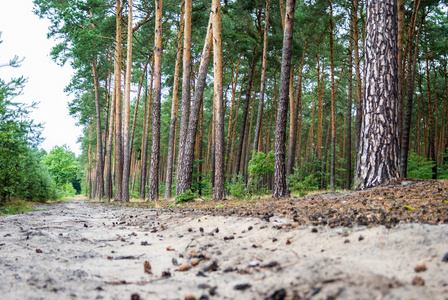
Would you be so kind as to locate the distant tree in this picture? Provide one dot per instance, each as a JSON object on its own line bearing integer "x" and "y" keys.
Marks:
{"x": 62, "y": 164}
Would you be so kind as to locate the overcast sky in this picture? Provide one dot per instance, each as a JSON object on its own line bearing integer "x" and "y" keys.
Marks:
{"x": 25, "y": 35}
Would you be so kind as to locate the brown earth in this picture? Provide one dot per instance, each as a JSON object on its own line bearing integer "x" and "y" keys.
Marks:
{"x": 388, "y": 242}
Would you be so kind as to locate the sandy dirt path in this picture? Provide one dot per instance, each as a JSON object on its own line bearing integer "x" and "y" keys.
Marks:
{"x": 84, "y": 250}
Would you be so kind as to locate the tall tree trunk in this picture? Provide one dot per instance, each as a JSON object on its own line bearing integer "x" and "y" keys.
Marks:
{"x": 320, "y": 108}
{"x": 185, "y": 104}
{"x": 108, "y": 164}
{"x": 410, "y": 80}
{"x": 185, "y": 167}
{"x": 231, "y": 118}
{"x": 431, "y": 126}
{"x": 400, "y": 37}
{"x": 333, "y": 106}
{"x": 297, "y": 115}
{"x": 280, "y": 186}
{"x": 147, "y": 119}
{"x": 348, "y": 147}
{"x": 174, "y": 108}
{"x": 127, "y": 109}
{"x": 117, "y": 87}
{"x": 99, "y": 139}
{"x": 378, "y": 151}
{"x": 155, "y": 149}
{"x": 263, "y": 76}
{"x": 245, "y": 113}
{"x": 359, "y": 108}
{"x": 218, "y": 192}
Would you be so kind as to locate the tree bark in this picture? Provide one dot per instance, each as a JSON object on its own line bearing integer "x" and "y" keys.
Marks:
{"x": 117, "y": 86}
{"x": 410, "y": 79}
{"x": 244, "y": 117}
{"x": 185, "y": 104}
{"x": 218, "y": 192}
{"x": 155, "y": 148}
{"x": 348, "y": 147}
{"x": 359, "y": 108}
{"x": 127, "y": 109}
{"x": 280, "y": 186}
{"x": 263, "y": 76}
{"x": 147, "y": 118}
{"x": 99, "y": 139}
{"x": 379, "y": 146}
{"x": 174, "y": 108}
{"x": 185, "y": 167}
{"x": 333, "y": 106}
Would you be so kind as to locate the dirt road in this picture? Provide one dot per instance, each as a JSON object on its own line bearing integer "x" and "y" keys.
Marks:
{"x": 84, "y": 250}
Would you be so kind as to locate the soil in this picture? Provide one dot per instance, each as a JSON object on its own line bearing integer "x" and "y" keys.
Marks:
{"x": 388, "y": 242}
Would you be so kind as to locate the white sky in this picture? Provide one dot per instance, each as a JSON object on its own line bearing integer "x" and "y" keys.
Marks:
{"x": 25, "y": 35}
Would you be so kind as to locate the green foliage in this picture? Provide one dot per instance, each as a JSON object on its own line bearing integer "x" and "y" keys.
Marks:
{"x": 419, "y": 167}
{"x": 236, "y": 187}
{"x": 61, "y": 164}
{"x": 15, "y": 207}
{"x": 22, "y": 175}
{"x": 307, "y": 178}
{"x": 261, "y": 164}
{"x": 186, "y": 197}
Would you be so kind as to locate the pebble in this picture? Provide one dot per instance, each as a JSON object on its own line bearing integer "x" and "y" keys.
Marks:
{"x": 184, "y": 267}
{"x": 242, "y": 287}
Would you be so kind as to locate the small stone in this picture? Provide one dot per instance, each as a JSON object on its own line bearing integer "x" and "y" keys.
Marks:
{"x": 226, "y": 238}
{"x": 174, "y": 261}
{"x": 242, "y": 287}
{"x": 445, "y": 258}
{"x": 184, "y": 267}
{"x": 166, "y": 274}
{"x": 314, "y": 230}
{"x": 360, "y": 238}
{"x": 144, "y": 243}
{"x": 110, "y": 257}
{"x": 278, "y": 295}
{"x": 38, "y": 251}
{"x": 418, "y": 281}
{"x": 288, "y": 241}
{"x": 274, "y": 240}
{"x": 194, "y": 262}
{"x": 420, "y": 268}
{"x": 250, "y": 228}
{"x": 201, "y": 229}
{"x": 346, "y": 241}
{"x": 135, "y": 297}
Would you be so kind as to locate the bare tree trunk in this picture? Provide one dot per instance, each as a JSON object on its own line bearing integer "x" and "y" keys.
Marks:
{"x": 333, "y": 106}
{"x": 117, "y": 87}
{"x": 174, "y": 108}
{"x": 245, "y": 113}
{"x": 185, "y": 105}
{"x": 296, "y": 112}
{"x": 379, "y": 147}
{"x": 263, "y": 76}
{"x": 280, "y": 186}
{"x": 359, "y": 108}
{"x": 109, "y": 187}
{"x": 348, "y": 147}
{"x": 185, "y": 168}
{"x": 145, "y": 142}
{"x": 218, "y": 192}
{"x": 155, "y": 149}
{"x": 411, "y": 66}
{"x": 127, "y": 109}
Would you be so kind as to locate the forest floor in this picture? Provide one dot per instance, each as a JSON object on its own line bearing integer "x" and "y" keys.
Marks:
{"x": 388, "y": 242}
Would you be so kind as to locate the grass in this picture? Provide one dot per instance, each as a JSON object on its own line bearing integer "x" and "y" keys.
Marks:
{"x": 14, "y": 207}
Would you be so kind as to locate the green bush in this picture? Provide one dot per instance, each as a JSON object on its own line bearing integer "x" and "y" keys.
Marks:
{"x": 261, "y": 163}
{"x": 419, "y": 167}
{"x": 236, "y": 187}
{"x": 186, "y": 197}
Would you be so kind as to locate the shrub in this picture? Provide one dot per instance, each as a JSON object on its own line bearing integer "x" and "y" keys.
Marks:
{"x": 419, "y": 167}
{"x": 186, "y": 197}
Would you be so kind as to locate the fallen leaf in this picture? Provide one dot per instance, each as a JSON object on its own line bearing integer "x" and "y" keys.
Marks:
{"x": 147, "y": 267}
{"x": 38, "y": 251}
{"x": 169, "y": 248}
{"x": 288, "y": 241}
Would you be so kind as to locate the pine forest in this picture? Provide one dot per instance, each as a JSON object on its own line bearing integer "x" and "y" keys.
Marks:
{"x": 218, "y": 99}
